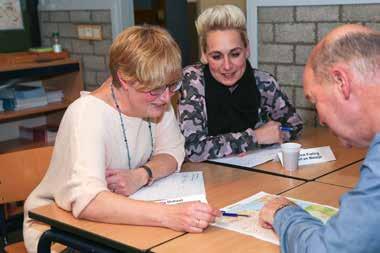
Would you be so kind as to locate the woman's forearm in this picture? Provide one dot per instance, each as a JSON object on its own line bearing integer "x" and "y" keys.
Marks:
{"x": 115, "y": 208}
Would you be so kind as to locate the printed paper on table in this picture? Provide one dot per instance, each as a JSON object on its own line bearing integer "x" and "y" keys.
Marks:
{"x": 175, "y": 188}
{"x": 251, "y": 158}
{"x": 252, "y": 206}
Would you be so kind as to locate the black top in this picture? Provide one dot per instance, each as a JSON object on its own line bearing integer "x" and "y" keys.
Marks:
{"x": 231, "y": 111}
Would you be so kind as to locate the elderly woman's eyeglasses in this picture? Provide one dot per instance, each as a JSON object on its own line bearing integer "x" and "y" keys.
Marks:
{"x": 173, "y": 87}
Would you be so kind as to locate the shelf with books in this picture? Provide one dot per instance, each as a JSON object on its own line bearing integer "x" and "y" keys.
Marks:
{"x": 61, "y": 81}
{"x": 9, "y": 115}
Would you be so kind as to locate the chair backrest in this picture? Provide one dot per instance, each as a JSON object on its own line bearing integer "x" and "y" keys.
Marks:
{"x": 21, "y": 172}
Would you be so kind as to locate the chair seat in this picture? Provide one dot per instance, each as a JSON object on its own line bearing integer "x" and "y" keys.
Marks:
{"x": 17, "y": 247}
{"x": 57, "y": 248}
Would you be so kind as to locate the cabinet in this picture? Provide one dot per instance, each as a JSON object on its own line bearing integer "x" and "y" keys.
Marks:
{"x": 62, "y": 74}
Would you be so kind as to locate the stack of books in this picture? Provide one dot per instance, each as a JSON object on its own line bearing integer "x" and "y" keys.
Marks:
{"x": 29, "y": 95}
{"x": 43, "y": 133}
{"x": 23, "y": 96}
{"x": 54, "y": 96}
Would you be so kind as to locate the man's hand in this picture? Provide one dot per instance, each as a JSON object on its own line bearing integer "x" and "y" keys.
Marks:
{"x": 267, "y": 213}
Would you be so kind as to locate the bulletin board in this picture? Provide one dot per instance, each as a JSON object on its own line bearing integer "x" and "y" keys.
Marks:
{"x": 19, "y": 25}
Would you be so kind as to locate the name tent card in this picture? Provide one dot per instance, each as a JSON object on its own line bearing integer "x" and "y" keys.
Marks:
{"x": 313, "y": 155}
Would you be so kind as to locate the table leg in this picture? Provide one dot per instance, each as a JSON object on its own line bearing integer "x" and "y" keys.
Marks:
{"x": 75, "y": 242}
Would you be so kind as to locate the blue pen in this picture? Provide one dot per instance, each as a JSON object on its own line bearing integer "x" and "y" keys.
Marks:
{"x": 224, "y": 213}
{"x": 287, "y": 129}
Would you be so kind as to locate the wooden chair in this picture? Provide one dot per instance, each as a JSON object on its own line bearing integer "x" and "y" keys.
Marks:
{"x": 20, "y": 173}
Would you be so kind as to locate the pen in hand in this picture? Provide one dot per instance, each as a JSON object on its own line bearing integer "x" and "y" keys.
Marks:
{"x": 224, "y": 213}
{"x": 286, "y": 129}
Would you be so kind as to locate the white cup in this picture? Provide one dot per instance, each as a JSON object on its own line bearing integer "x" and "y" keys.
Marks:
{"x": 290, "y": 154}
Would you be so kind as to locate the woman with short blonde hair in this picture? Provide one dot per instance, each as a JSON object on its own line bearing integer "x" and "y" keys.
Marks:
{"x": 119, "y": 138}
{"x": 146, "y": 55}
{"x": 227, "y": 107}
{"x": 221, "y": 17}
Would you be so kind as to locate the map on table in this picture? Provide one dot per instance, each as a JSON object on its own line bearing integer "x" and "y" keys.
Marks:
{"x": 252, "y": 205}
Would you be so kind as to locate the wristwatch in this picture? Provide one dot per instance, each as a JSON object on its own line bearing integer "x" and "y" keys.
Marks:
{"x": 282, "y": 206}
{"x": 150, "y": 174}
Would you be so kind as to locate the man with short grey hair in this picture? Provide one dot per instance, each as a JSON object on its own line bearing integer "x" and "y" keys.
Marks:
{"x": 342, "y": 79}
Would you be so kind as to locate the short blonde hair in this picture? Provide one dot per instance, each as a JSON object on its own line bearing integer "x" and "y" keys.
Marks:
{"x": 146, "y": 54}
{"x": 220, "y": 17}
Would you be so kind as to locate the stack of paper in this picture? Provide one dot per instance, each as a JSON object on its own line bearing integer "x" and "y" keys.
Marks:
{"x": 54, "y": 96}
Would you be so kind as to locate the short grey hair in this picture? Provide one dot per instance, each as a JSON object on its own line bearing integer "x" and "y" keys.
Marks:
{"x": 360, "y": 50}
{"x": 220, "y": 17}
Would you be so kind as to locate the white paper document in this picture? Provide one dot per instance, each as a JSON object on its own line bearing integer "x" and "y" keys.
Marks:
{"x": 251, "y": 158}
{"x": 252, "y": 205}
{"x": 175, "y": 188}
{"x": 313, "y": 155}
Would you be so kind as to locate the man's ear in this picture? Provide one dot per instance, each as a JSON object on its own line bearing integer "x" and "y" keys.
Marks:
{"x": 342, "y": 78}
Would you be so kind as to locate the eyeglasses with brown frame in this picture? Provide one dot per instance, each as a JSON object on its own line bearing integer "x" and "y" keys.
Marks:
{"x": 173, "y": 88}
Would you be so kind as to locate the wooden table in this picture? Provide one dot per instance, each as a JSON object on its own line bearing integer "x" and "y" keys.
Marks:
{"x": 317, "y": 137}
{"x": 119, "y": 237}
{"x": 347, "y": 177}
{"x": 318, "y": 192}
{"x": 220, "y": 240}
{"x": 223, "y": 185}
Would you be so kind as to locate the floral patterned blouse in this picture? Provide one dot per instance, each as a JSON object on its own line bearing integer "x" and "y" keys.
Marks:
{"x": 192, "y": 116}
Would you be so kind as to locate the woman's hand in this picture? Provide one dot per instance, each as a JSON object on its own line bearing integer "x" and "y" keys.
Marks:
{"x": 125, "y": 182}
{"x": 190, "y": 216}
{"x": 269, "y": 133}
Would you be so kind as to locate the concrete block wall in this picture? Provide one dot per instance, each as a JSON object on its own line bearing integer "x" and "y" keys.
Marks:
{"x": 92, "y": 54}
{"x": 286, "y": 36}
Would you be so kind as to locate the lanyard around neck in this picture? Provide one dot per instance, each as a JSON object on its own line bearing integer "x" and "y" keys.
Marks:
{"x": 124, "y": 129}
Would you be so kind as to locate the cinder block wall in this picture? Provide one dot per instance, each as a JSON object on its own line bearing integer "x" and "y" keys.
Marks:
{"x": 93, "y": 55}
{"x": 287, "y": 35}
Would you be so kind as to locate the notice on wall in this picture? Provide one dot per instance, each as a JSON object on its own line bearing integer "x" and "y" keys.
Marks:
{"x": 10, "y": 15}
{"x": 313, "y": 155}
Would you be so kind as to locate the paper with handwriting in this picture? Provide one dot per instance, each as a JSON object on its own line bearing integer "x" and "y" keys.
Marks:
{"x": 175, "y": 188}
